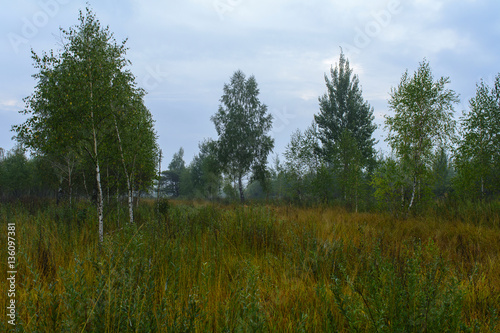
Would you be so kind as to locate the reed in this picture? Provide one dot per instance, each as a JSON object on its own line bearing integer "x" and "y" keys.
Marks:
{"x": 199, "y": 267}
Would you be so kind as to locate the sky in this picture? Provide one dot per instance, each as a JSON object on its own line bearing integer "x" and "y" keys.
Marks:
{"x": 183, "y": 52}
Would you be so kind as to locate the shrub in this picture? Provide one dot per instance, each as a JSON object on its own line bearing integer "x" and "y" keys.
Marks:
{"x": 410, "y": 293}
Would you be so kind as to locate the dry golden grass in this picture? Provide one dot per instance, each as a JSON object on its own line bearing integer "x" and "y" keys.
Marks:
{"x": 251, "y": 268}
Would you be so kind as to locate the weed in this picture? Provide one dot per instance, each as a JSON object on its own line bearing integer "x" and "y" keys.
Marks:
{"x": 252, "y": 269}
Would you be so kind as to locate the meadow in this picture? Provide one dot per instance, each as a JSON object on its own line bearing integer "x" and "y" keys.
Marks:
{"x": 203, "y": 267}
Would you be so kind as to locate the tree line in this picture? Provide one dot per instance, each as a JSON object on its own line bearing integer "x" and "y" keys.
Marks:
{"x": 433, "y": 157}
{"x": 92, "y": 136}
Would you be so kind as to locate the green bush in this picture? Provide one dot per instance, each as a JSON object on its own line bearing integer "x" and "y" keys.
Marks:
{"x": 409, "y": 293}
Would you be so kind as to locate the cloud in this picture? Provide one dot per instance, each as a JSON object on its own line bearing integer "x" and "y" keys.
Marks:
{"x": 9, "y": 105}
{"x": 184, "y": 51}
{"x": 308, "y": 95}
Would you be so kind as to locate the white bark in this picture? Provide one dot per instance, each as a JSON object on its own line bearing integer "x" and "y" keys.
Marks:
{"x": 130, "y": 192}
{"x": 413, "y": 193}
{"x": 100, "y": 201}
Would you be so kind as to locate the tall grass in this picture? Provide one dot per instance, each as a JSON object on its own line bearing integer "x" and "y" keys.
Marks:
{"x": 200, "y": 267}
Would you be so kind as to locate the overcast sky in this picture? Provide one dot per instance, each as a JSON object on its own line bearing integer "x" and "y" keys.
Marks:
{"x": 183, "y": 52}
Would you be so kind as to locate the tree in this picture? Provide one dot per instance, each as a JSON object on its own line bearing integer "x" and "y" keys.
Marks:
{"x": 422, "y": 122}
{"x": 345, "y": 125}
{"x": 83, "y": 101}
{"x": 173, "y": 174}
{"x": 205, "y": 171}
{"x": 351, "y": 173}
{"x": 388, "y": 181}
{"x": 136, "y": 141}
{"x": 301, "y": 160}
{"x": 242, "y": 124}
{"x": 15, "y": 174}
{"x": 201, "y": 178}
{"x": 442, "y": 173}
{"x": 478, "y": 153}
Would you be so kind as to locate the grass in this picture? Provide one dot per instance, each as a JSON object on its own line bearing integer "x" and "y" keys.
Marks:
{"x": 200, "y": 267}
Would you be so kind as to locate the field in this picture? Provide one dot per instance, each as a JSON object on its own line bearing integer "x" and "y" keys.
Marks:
{"x": 199, "y": 267}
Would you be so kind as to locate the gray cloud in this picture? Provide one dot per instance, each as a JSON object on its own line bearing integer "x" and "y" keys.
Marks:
{"x": 184, "y": 51}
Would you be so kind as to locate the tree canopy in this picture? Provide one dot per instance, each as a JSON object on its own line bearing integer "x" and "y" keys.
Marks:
{"x": 87, "y": 103}
{"x": 422, "y": 122}
{"x": 343, "y": 112}
{"x": 478, "y": 152}
{"x": 242, "y": 124}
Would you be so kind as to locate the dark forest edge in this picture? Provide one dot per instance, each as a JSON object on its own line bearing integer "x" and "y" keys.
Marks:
{"x": 34, "y": 182}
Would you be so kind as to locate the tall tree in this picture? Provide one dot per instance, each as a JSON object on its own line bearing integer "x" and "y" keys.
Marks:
{"x": 422, "y": 122}
{"x": 388, "y": 181}
{"x": 345, "y": 124}
{"x": 478, "y": 153}
{"x": 301, "y": 160}
{"x": 79, "y": 100}
{"x": 136, "y": 141}
{"x": 15, "y": 174}
{"x": 242, "y": 124}
{"x": 202, "y": 179}
{"x": 173, "y": 174}
{"x": 442, "y": 173}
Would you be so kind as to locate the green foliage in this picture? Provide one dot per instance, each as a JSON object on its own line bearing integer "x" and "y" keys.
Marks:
{"x": 23, "y": 177}
{"x": 350, "y": 173}
{"x": 242, "y": 124}
{"x": 478, "y": 157}
{"x": 14, "y": 174}
{"x": 442, "y": 174}
{"x": 345, "y": 129}
{"x": 343, "y": 110}
{"x": 411, "y": 293}
{"x": 87, "y": 110}
{"x": 302, "y": 162}
{"x": 202, "y": 179}
{"x": 422, "y": 122}
{"x": 172, "y": 177}
{"x": 389, "y": 184}
{"x": 163, "y": 206}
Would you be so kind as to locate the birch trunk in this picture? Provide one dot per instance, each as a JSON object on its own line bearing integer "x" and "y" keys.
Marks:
{"x": 70, "y": 185}
{"x": 413, "y": 193}
{"x": 127, "y": 176}
{"x": 100, "y": 201}
{"x": 240, "y": 187}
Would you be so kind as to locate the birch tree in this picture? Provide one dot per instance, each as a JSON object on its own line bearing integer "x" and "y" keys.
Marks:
{"x": 478, "y": 154}
{"x": 422, "y": 122}
{"x": 79, "y": 98}
{"x": 301, "y": 160}
{"x": 242, "y": 124}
